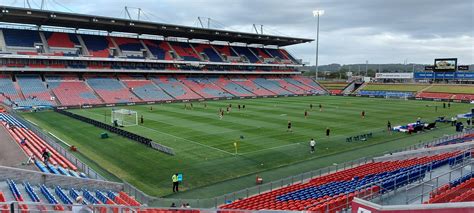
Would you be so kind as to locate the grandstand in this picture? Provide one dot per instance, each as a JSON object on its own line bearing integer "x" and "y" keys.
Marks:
{"x": 233, "y": 153}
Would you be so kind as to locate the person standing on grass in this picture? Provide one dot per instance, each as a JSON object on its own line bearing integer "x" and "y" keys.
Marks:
{"x": 312, "y": 144}
{"x": 362, "y": 114}
{"x": 449, "y": 104}
{"x": 389, "y": 126}
{"x": 238, "y": 106}
{"x": 141, "y": 119}
{"x": 305, "y": 114}
{"x": 311, "y": 107}
{"x": 444, "y": 105}
{"x": 328, "y": 131}
{"x": 289, "y": 127}
{"x": 320, "y": 107}
{"x": 174, "y": 178}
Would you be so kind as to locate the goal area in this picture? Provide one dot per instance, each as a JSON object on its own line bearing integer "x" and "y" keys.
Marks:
{"x": 124, "y": 117}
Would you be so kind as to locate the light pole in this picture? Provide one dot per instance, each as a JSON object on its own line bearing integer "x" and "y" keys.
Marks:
{"x": 317, "y": 13}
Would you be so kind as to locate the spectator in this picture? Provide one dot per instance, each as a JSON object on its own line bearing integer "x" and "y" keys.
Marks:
{"x": 46, "y": 155}
{"x": 173, "y": 205}
{"x": 79, "y": 206}
{"x": 23, "y": 141}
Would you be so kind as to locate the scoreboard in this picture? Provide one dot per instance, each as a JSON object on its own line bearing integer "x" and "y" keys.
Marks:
{"x": 445, "y": 64}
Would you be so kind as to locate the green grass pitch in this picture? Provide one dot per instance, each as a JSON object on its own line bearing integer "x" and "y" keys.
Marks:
{"x": 204, "y": 144}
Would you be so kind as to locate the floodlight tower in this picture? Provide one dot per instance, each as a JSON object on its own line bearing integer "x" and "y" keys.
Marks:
{"x": 317, "y": 14}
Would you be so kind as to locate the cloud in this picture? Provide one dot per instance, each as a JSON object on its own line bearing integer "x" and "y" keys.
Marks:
{"x": 381, "y": 31}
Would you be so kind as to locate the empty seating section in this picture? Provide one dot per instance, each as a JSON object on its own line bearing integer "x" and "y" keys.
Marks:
{"x": 34, "y": 91}
{"x": 386, "y": 93}
{"x": 434, "y": 95}
{"x": 273, "y": 86}
{"x": 34, "y": 145}
{"x": 305, "y": 87}
{"x": 69, "y": 90}
{"x": 185, "y": 51}
{"x": 277, "y": 53}
{"x": 207, "y": 49}
{"x": 63, "y": 40}
{"x": 159, "y": 49}
{"x": 245, "y": 51}
{"x": 147, "y": 91}
{"x": 231, "y": 87}
{"x": 175, "y": 88}
{"x": 252, "y": 86}
{"x": 317, "y": 89}
{"x": 59, "y": 197}
{"x": 21, "y": 38}
{"x": 204, "y": 87}
{"x": 98, "y": 46}
{"x": 287, "y": 86}
{"x": 8, "y": 92}
{"x": 131, "y": 47}
{"x": 128, "y": 44}
{"x": 111, "y": 90}
{"x": 459, "y": 190}
{"x": 69, "y": 44}
{"x": 334, "y": 191}
{"x": 225, "y": 50}
{"x": 260, "y": 52}
{"x": 288, "y": 55}
{"x": 62, "y": 44}
{"x": 71, "y": 93}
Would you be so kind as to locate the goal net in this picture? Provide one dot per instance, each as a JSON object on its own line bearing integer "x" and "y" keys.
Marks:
{"x": 124, "y": 117}
{"x": 403, "y": 96}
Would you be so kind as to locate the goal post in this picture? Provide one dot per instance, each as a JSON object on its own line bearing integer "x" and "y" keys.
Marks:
{"x": 124, "y": 117}
{"x": 402, "y": 96}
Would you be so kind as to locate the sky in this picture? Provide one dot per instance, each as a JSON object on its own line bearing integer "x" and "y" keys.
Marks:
{"x": 351, "y": 31}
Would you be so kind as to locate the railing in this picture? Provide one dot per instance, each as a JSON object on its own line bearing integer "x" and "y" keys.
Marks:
{"x": 43, "y": 207}
{"x": 417, "y": 193}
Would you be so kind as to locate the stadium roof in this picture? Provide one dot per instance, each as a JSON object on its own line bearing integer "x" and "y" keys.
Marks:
{"x": 110, "y": 24}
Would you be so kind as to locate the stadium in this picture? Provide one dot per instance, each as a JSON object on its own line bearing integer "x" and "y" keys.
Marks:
{"x": 106, "y": 114}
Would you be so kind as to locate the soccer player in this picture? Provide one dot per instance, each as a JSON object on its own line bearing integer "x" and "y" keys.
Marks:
{"x": 289, "y": 127}
{"x": 444, "y": 105}
{"x": 238, "y": 107}
{"x": 311, "y": 107}
{"x": 328, "y": 131}
{"x": 205, "y": 105}
{"x": 389, "y": 126}
{"x": 151, "y": 108}
{"x": 312, "y": 143}
{"x": 305, "y": 114}
{"x": 449, "y": 104}
{"x": 141, "y": 119}
{"x": 320, "y": 107}
{"x": 363, "y": 114}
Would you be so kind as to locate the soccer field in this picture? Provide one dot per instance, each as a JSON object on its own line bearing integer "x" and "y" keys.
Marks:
{"x": 204, "y": 144}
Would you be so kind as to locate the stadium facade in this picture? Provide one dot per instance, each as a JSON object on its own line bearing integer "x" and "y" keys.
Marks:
{"x": 54, "y": 59}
